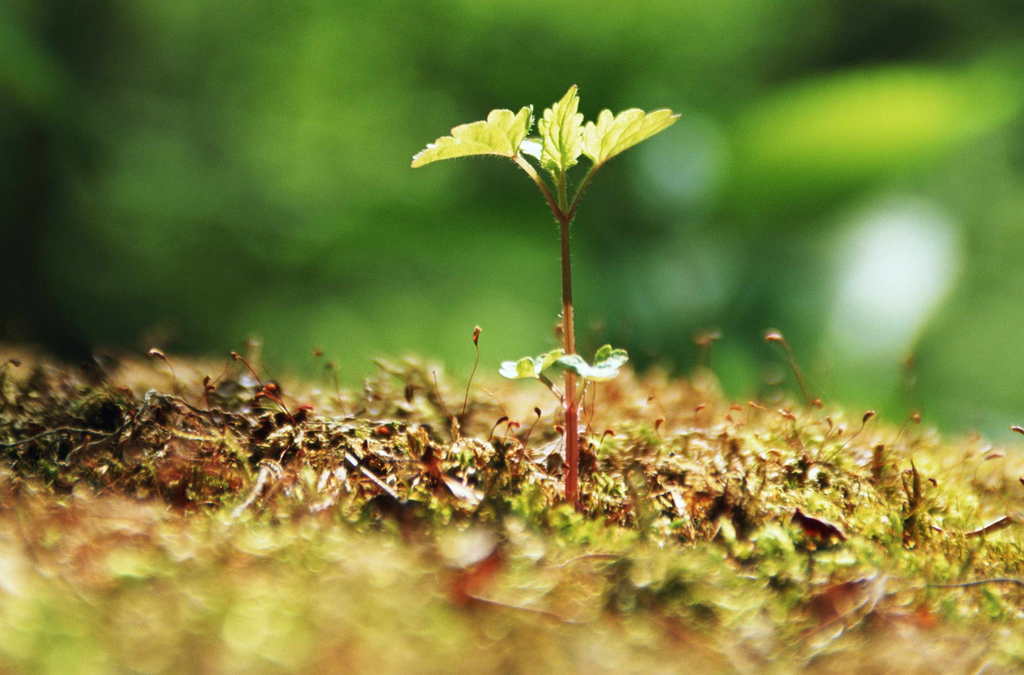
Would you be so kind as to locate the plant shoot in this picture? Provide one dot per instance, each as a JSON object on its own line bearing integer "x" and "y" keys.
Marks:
{"x": 564, "y": 137}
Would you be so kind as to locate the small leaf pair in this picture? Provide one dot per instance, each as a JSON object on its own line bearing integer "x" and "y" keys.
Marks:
{"x": 607, "y": 362}
{"x": 530, "y": 366}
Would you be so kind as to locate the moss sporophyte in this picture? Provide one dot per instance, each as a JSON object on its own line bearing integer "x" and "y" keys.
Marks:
{"x": 563, "y": 138}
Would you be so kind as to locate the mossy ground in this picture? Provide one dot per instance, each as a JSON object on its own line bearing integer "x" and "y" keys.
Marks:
{"x": 148, "y": 525}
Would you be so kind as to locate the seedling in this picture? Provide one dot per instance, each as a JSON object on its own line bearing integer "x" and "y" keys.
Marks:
{"x": 563, "y": 139}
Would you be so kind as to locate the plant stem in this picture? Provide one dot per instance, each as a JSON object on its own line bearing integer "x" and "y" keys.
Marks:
{"x": 572, "y": 443}
{"x": 564, "y": 213}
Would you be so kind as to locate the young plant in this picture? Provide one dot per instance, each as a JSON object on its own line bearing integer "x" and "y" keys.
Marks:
{"x": 563, "y": 139}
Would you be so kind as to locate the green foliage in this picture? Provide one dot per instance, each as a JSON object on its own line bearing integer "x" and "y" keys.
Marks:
{"x": 614, "y": 134}
{"x": 529, "y": 366}
{"x": 500, "y": 134}
{"x": 563, "y": 139}
{"x": 563, "y": 135}
{"x": 607, "y": 362}
{"x": 560, "y": 130}
{"x": 306, "y": 114}
{"x": 834, "y": 132}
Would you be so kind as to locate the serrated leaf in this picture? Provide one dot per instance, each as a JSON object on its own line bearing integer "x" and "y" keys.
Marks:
{"x": 561, "y": 130}
{"x": 613, "y": 134}
{"x": 500, "y": 134}
{"x": 530, "y": 366}
{"x": 607, "y": 362}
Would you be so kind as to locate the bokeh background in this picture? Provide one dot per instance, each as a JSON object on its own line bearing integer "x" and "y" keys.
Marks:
{"x": 186, "y": 174}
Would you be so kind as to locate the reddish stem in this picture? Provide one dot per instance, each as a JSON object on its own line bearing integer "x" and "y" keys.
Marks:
{"x": 572, "y": 427}
{"x": 572, "y": 442}
{"x": 564, "y": 212}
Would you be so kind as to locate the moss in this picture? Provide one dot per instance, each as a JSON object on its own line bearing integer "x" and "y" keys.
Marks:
{"x": 156, "y": 531}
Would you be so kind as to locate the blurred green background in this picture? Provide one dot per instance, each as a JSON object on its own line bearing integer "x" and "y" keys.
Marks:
{"x": 190, "y": 173}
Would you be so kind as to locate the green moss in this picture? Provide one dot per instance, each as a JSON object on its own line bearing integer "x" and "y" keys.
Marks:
{"x": 375, "y": 533}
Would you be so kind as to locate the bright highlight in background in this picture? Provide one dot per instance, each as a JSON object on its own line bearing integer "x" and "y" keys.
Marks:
{"x": 897, "y": 264}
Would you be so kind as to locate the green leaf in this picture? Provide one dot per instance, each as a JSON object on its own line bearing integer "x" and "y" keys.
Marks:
{"x": 608, "y": 357}
{"x": 548, "y": 359}
{"x": 575, "y": 363}
{"x": 613, "y": 134}
{"x": 530, "y": 366}
{"x": 607, "y": 362}
{"x": 561, "y": 129}
{"x": 500, "y": 134}
{"x": 515, "y": 370}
